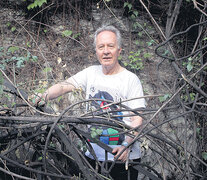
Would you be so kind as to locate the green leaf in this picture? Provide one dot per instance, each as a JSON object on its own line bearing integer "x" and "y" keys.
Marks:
{"x": 20, "y": 63}
{"x": 130, "y": 6}
{"x": 12, "y": 49}
{"x": 140, "y": 34}
{"x": 59, "y": 98}
{"x": 192, "y": 96}
{"x": 135, "y": 13}
{"x": 125, "y": 64}
{"x": 28, "y": 44}
{"x": 13, "y": 104}
{"x": 67, "y": 33}
{"x": 147, "y": 55}
{"x": 34, "y": 58}
{"x": 189, "y": 66}
{"x": 31, "y": 6}
{"x": 13, "y": 28}
{"x": 204, "y": 155}
{"x": 41, "y": 2}
{"x": 36, "y": 3}
{"x": 93, "y": 129}
{"x": 47, "y": 69}
{"x": 17, "y": 152}
{"x": 126, "y": 4}
{"x": 198, "y": 130}
{"x": 99, "y": 131}
{"x": 76, "y": 35}
{"x": 8, "y": 24}
{"x": 1, "y": 78}
{"x": 40, "y": 158}
{"x": 164, "y": 98}
{"x": 150, "y": 42}
{"x": 52, "y": 145}
{"x": 93, "y": 134}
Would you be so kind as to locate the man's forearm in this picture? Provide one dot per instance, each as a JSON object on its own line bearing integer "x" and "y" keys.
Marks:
{"x": 57, "y": 90}
{"x": 135, "y": 122}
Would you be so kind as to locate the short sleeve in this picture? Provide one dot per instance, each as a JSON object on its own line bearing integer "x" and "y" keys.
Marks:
{"x": 79, "y": 80}
{"x": 135, "y": 90}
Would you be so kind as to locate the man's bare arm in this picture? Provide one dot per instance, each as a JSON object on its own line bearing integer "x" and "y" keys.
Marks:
{"x": 135, "y": 121}
{"x": 56, "y": 90}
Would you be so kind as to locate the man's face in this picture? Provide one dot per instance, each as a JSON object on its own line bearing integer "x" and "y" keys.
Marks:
{"x": 107, "y": 49}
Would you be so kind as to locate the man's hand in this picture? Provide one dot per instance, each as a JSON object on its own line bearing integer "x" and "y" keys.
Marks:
{"x": 37, "y": 99}
{"x": 118, "y": 150}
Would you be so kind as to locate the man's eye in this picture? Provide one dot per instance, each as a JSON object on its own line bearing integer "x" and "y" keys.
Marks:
{"x": 111, "y": 46}
{"x": 100, "y": 47}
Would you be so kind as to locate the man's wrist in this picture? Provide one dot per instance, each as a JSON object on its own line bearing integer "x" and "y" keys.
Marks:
{"x": 125, "y": 143}
{"x": 45, "y": 96}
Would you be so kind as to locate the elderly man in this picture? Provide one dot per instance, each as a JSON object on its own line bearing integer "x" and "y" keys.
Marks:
{"x": 108, "y": 81}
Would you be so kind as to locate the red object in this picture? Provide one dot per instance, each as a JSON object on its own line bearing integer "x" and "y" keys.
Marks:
{"x": 113, "y": 138}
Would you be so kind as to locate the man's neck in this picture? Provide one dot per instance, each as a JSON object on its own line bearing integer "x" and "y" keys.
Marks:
{"x": 108, "y": 70}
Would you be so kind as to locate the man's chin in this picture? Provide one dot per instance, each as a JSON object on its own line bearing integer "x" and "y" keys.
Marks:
{"x": 107, "y": 65}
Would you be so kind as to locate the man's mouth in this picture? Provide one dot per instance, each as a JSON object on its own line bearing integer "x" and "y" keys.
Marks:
{"x": 107, "y": 58}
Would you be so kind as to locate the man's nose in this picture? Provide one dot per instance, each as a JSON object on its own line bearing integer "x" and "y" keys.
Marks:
{"x": 106, "y": 50}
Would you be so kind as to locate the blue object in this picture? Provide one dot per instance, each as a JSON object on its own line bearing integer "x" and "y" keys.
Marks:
{"x": 104, "y": 139}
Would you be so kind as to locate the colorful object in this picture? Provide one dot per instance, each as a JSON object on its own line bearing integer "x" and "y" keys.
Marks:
{"x": 113, "y": 139}
{"x": 104, "y": 139}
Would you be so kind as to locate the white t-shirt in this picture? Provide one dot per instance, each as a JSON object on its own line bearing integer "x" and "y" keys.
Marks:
{"x": 122, "y": 86}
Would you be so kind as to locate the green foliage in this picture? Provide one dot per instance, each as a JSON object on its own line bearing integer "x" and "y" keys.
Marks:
{"x": 164, "y": 98}
{"x": 204, "y": 155}
{"x": 40, "y": 158}
{"x": 198, "y": 131}
{"x": 191, "y": 63}
{"x": 95, "y": 132}
{"x": 36, "y": 3}
{"x": 188, "y": 64}
{"x": 8, "y": 24}
{"x": 142, "y": 28}
{"x": 12, "y": 28}
{"x": 135, "y": 61}
{"x": 13, "y": 49}
{"x": 45, "y": 30}
{"x": 134, "y": 13}
{"x": 76, "y": 35}
{"x": 10, "y": 55}
{"x": 190, "y": 97}
{"x": 52, "y": 145}
{"x": 150, "y": 43}
{"x": 81, "y": 145}
{"x": 59, "y": 98}
{"x": 69, "y": 33}
{"x": 179, "y": 41}
{"x": 129, "y": 5}
{"x": 47, "y": 69}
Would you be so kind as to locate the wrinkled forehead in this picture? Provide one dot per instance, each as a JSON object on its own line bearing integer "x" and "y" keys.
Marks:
{"x": 106, "y": 37}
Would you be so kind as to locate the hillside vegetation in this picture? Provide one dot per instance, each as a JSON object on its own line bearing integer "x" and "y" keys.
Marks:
{"x": 46, "y": 41}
